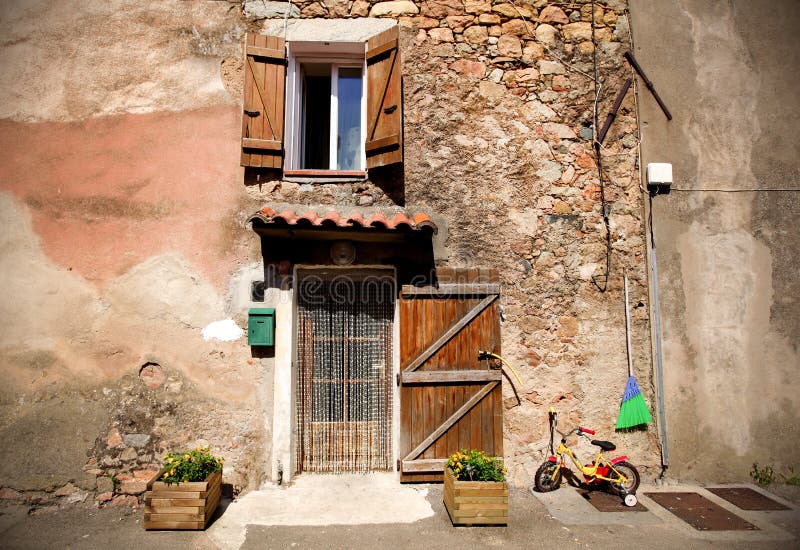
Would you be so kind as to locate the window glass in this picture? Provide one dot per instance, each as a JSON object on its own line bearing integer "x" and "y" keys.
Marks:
{"x": 316, "y": 116}
{"x": 349, "y": 91}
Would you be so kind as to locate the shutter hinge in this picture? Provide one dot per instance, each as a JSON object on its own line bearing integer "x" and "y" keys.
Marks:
{"x": 397, "y": 377}
{"x": 390, "y": 109}
{"x": 398, "y": 464}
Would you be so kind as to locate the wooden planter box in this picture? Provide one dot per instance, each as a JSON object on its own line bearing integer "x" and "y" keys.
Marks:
{"x": 181, "y": 506}
{"x": 475, "y": 502}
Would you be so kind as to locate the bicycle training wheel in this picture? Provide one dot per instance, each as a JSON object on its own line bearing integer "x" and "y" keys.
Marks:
{"x": 629, "y": 472}
{"x": 545, "y": 480}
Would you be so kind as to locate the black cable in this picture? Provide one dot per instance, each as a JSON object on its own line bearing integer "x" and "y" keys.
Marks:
{"x": 606, "y": 222}
{"x": 782, "y": 190}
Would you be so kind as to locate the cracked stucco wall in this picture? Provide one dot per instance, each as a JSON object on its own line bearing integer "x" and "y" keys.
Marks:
{"x": 726, "y": 237}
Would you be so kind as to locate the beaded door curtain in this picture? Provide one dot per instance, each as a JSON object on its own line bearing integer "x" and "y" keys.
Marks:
{"x": 344, "y": 401}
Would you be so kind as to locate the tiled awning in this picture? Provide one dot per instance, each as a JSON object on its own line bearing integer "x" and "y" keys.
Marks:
{"x": 388, "y": 221}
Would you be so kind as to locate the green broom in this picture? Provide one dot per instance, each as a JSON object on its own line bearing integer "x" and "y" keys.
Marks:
{"x": 633, "y": 411}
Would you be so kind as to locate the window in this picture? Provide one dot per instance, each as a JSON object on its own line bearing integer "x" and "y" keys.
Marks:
{"x": 326, "y": 107}
{"x": 322, "y": 108}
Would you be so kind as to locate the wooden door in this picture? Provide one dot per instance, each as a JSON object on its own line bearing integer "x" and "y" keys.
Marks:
{"x": 448, "y": 399}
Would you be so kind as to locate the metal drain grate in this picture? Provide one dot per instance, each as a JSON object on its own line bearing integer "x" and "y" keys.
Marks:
{"x": 701, "y": 513}
{"x": 747, "y": 499}
{"x": 606, "y": 502}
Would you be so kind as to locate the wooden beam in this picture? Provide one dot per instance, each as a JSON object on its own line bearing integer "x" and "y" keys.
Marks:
{"x": 452, "y": 331}
{"x": 433, "y": 465}
{"x": 449, "y": 376}
{"x": 448, "y": 289}
{"x": 378, "y": 50}
{"x": 258, "y": 51}
{"x": 265, "y": 144}
{"x": 438, "y": 432}
{"x": 326, "y": 173}
{"x": 382, "y": 143}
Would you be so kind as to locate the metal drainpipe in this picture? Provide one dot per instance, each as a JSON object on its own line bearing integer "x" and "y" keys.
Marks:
{"x": 662, "y": 418}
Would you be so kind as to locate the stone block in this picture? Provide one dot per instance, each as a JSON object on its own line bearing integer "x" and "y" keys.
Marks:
{"x": 426, "y": 22}
{"x": 476, "y": 35}
{"x": 553, "y": 14}
{"x": 113, "y": 439}
{"x": 510, "y": 10}
{"x": 144, "y": 475}
{"x": 136, "y": 440}
{"x": 477, "y": 6}
{"x": 577, "y": 32}
{"x": 104, "y": 497}
{"x": 258, "y": 9}
{"x": 133, "y": 487}
{"x": 532, "y": 51}
{"x": 551, "y": 67}
{"x": 586, "y": 13}
{"x": 360, "y": 8}
{"x": 490, "y": 90}
{"x": 105, "y": 484}
{"x": 489, "y": 19}
{"x": 517, "y": 27}
{"x": 468, "y": 67}
{"x": 440, "y": 34}
{"x": 459, "y": 22}
{"x": 124, "y": 500}
{"x": 509, "y": 46}
{"x": 546, "y": 34}
{"x": 393, "y": 8}
{"x": 128, "y": 454}
{"x": 439, "y": 9}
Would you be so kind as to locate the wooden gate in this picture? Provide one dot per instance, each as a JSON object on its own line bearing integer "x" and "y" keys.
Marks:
{"x": 448, "y": 399}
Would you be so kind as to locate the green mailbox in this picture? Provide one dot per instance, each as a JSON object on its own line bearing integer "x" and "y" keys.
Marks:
{"x": 261, "y": 326}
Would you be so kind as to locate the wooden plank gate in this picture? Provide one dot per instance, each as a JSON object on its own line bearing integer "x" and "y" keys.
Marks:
{"x": 448, "y": 399}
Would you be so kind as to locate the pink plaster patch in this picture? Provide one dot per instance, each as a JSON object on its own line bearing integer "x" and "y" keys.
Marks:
{"x": 106, "y": 194}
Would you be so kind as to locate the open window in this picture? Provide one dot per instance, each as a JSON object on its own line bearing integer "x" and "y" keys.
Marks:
{"x": 340, "y": 104}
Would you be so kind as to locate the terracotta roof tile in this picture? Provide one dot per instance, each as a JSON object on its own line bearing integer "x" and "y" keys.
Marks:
{"x": 392, "y": 221}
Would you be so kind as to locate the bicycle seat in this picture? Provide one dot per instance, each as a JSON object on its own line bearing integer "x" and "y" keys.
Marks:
{"x": 605, "y": 445}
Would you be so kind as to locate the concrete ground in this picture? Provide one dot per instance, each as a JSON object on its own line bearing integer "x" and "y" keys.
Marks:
{"x": 377, "y": 512}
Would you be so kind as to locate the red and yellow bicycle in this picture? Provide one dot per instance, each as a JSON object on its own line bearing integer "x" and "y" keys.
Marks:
{"x": 620, "y": 476}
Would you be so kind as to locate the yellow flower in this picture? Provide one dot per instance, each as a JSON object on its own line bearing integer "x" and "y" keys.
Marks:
{"x": 165, "y": 475}
{"x": 186, "y": 457}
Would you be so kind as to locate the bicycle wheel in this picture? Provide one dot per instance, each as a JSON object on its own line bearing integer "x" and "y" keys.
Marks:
{"x": 547, "y": 479}
{"x": 629, "y": 472}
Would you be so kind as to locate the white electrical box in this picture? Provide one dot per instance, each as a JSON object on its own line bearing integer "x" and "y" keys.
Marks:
{"x": 659, "y": 178}
{"x": 659, "y": 173}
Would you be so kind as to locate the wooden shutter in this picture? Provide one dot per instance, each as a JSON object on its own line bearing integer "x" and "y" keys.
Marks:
{"x": 384, "y": 141}
{"x": 264, "y": 86}
{"x": 448, "y": 399}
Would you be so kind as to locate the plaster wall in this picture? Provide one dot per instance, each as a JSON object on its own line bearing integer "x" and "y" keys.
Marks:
{"x": 726, "y": 236}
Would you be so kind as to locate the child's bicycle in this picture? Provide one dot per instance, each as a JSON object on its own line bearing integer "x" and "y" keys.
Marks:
{"x": 622, "y": 478}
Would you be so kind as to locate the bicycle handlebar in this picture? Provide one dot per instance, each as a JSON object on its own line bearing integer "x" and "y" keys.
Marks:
{"x": 579, "y": 430}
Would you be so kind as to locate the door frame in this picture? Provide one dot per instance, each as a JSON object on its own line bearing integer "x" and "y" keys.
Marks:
{"x": 395, "y": 352}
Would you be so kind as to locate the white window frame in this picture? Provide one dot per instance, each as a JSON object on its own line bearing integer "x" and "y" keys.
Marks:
{"x": 337, "y": 54}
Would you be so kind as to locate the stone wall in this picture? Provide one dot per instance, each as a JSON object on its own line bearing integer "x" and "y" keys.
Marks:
{"x": 124, "y": 211}
{"x": 499, "y": 102}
